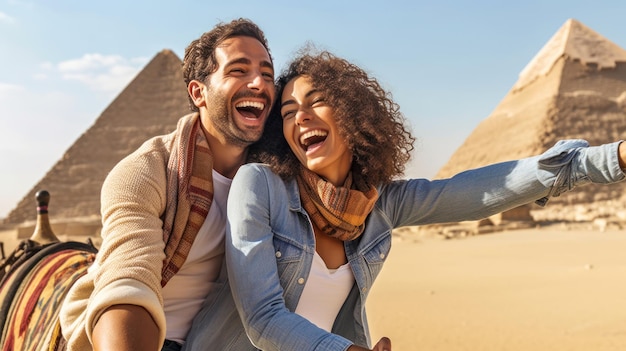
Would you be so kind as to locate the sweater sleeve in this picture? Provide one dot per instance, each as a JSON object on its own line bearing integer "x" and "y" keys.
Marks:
{"x": 128, "y": 265}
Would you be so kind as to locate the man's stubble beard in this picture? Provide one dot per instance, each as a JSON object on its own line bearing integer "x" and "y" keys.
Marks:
{"x": 222, "y": 118}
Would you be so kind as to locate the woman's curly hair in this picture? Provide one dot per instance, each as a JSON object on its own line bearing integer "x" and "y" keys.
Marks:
{"x": 366, "y": 115}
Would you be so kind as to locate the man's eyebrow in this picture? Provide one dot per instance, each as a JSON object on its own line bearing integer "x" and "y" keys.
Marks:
{"x": 267, "y": 64}
{"x": 246, "y": 61}
{"x": 243, "y": 60}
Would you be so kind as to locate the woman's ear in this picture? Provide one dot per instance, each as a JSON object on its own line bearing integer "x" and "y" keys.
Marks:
{"x": 196, "y": 92}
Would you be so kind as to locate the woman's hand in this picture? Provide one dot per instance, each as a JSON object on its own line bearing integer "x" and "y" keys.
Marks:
{"x": 384, "y": 344}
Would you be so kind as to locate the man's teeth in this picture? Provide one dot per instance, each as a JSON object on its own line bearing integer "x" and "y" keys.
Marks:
{"x": 310, "y": 134}
{"x": 254, "y": 104}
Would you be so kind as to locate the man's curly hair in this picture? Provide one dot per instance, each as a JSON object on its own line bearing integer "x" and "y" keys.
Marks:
{"x": 199, "y": 61}
{"x": 367, "y": 118}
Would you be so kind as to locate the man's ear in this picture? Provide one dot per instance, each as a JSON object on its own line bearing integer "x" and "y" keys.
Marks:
{"x": 196, "y": 92}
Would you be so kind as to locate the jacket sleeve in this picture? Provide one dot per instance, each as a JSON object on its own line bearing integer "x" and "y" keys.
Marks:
{"x": 253, "y": 273}
{"x": 485, "y": 191}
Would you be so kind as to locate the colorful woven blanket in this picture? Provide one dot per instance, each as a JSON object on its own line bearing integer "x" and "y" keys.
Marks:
{"x": 31, "y": 295}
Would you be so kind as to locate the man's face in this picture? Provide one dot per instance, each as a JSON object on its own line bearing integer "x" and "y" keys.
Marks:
{"x": 238, "y": 96}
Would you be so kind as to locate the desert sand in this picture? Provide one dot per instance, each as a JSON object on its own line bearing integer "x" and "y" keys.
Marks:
{"x": 546, "y": 289}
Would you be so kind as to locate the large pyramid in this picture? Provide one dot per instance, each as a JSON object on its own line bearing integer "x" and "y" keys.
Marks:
{"x": 150, "y": 105}
{"x": 575, "y": 87}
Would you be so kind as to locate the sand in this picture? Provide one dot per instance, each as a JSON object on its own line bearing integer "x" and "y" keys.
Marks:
{"x": 519, "y": 290}
{"x": 530, "y": 290}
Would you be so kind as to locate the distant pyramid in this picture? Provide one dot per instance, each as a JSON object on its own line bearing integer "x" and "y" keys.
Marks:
{"x": 150, "y": 105}
{"x": 575, "y": 87}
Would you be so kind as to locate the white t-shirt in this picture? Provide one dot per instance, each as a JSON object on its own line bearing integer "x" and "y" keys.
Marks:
{"x": 186, "y": 290}
{"x": 324, "y": 293}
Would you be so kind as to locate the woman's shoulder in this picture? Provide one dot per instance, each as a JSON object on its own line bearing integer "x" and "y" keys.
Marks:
{"x": 255, "y": 170}
{"x": 256, "y": 175}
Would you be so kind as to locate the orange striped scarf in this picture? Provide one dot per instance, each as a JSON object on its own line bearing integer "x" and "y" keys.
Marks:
{"x": 189, "y": 193}
{"x": 339, "y": 212}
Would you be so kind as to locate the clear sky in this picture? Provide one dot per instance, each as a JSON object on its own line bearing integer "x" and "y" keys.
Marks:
{"x": 447, "y": 63}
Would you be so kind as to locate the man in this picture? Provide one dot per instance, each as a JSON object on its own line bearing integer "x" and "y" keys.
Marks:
{"x": 163, "y": 206}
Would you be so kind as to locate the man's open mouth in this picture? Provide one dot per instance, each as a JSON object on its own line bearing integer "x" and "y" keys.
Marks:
{"x": 250, "y": 109}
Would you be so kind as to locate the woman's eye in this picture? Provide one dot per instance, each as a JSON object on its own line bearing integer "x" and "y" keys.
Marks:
{"x": 317, "y": 101}
{"x": 288, "y": 114}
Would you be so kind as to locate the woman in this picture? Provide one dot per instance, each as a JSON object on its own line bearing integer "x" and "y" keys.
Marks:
{"x": 310, "y": 231}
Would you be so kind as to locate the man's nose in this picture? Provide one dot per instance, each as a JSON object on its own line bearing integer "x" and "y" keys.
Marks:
{"x": 258, "y": 82}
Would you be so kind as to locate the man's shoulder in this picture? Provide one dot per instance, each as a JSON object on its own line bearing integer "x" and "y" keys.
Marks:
{"x": 159, "y": 146}
{"x": 149, "y": 160}
{"x": 162, "y": 144}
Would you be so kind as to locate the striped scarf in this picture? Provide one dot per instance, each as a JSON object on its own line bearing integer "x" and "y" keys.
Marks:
{"x": 339, "y": 212}
{"x": 189, "y": 193}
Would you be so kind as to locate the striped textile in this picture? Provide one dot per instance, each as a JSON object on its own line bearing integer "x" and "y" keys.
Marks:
{"x": 339, "y": 212}
{"x": 189, "y": 193}
{"x": 32, "y": 296}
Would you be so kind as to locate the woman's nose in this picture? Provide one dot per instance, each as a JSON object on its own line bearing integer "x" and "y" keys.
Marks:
{"x": 303, "y": 116}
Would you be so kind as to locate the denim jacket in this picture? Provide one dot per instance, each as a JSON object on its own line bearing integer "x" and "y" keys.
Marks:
{"x": 270, "y": 241}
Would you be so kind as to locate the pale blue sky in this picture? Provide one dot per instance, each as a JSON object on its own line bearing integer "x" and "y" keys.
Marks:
{"x": 447, "y": 63}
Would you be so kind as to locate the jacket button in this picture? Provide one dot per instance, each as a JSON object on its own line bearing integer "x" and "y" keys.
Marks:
{"x": 382, "y": 256}
{"x": 301, "y": 281}
{"x": 278, "y": 254}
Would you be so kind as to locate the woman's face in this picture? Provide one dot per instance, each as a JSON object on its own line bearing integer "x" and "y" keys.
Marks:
{"x": 310, "y": 129}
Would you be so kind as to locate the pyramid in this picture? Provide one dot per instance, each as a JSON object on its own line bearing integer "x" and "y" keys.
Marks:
{"x": 151, "y": 104}
{"x": 575, "y": 87}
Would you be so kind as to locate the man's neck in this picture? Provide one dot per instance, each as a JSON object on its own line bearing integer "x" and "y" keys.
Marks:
{"x": 227, "y": 158}
{"x": 228, "y": 163}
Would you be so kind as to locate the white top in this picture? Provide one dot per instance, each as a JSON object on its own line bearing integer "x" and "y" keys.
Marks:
{"x": 186, "y": 290}
{"x": 324, "y": 293}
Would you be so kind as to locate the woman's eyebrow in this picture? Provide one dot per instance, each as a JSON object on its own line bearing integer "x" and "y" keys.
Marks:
{"x": 287, "y": 102}
{"x": 292, "y": 101}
